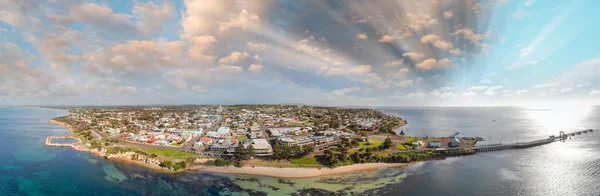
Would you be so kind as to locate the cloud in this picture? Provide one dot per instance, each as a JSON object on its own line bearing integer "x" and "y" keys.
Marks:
{"x": 470, "y": 35}
{"x": 243, "y": 21}
{"x": 103, "y": 18}
{"x": 448, "y": 14}
{"x": 386, "y": 39}
{"x": 199, "y": 89}
{"x": 394, "y": 63}
{"x": 456, "y": 52}
{"x": 234, "y": 57}
{"x": 594, "y": 92}
{"x": 338, "y": 71}
{"x": 433, "y": 64}
{"x": 256, "y": 46}
{"x": 362, "y": 36}
{"x": 345, "y": 91}
{"x": 199, "y": 46}
{"x": 419, "y": 21}
{"x": 522, "y": 92}
{"x": 152, "y": 16}
{"x": 566, "y": 90}
{"x": 521, "y": 64}
{"x": 404, "y": 70}
{"x": 491, "y": 91}
{"x": 229, "y": 69}
{"x": 415, "y": 56}
{"x": 255, "y": 68}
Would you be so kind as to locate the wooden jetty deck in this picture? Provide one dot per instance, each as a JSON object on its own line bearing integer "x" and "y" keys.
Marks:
{"x": 495, "y": 147}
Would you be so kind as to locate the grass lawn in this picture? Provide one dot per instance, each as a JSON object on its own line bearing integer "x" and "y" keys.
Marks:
{"x": 306, "y": 162}
{"x": 375, "y": 143}
{"x": 165, "y": 152}
{"x": 401, "y": 147}
{"x": 242, "y": 137}
{"x": 411, "y": 139}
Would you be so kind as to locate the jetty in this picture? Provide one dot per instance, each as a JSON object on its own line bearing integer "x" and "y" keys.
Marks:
{"x": 562, "y": 136}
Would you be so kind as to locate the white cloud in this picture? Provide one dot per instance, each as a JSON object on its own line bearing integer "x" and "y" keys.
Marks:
{"x": 199, "y": 89}
{"x": 529, "y": 3}
{"x": 594, "y": 92}
{"x": 404, "y": 70}
{"x": 448, "y": 14}
{"x": 338, "y": 71}
{"x": 433, "y": 64}
{"x": 256, "y": 68}
{"x": 521, "y": 64}
{"x": 229, "y": 69}
{"x": 456, "y": 52}
{"x": 521, "y": 92}
{"x": 491, "y": 91}
{"x": 436, "y": 41}
{"x": 519, "y": 14}
{"x": 243, "y": 21}
{"x": 394, "y": 63}
{"x": 419, "y": 21}
{"x": 362, "y": 36}
{"x": 566, "y": 89}
{"x": 234, "y": 57}
{"x": 415, "y": 56}
{"x": 256, "y": 46}
{"x": 386, "y": 39}
{"x": 345, "y": 91}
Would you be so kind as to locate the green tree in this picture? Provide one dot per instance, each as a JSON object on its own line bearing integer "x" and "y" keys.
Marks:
{"x": 166, "y": 164}
{"x": 250, "y": 151}
{"x": 240, "y": 153}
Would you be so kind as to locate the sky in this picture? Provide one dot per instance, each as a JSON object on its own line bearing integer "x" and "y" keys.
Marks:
{"x": 319, "y": 52}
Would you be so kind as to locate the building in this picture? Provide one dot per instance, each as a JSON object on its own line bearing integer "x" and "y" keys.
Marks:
{"x": 261, "y": 147}
{"x": 434, "y": 144}
{"x": 287, "y": 141}
{"x": 454, "y": 142}
{"x": 223, "y": 130}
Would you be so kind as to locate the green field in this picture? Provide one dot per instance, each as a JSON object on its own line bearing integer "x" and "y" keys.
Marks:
{"x": 306, "y": 162}
{"x": 242, "y": 137}
{"x": 401, "y": 147}
{"x": 375, "y": 143}
{"x": 165, "y": 152}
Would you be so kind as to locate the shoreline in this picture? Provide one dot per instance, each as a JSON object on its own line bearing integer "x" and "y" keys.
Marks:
{"x": 289, "y": 172}
{"x": 286, "y": 172}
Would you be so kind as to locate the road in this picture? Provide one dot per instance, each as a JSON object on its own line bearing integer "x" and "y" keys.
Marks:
{"x": 189, "y": 144}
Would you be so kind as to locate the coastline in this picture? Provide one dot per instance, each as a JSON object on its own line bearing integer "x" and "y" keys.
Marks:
{"x": 246, "y": 170}
{"x": 288, "y": 172}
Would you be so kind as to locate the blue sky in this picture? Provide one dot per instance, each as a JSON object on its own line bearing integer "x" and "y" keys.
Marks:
{"x": 375, "y": 53}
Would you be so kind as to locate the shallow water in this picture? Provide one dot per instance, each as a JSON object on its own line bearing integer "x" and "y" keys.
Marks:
{"x": 28, "y": 167}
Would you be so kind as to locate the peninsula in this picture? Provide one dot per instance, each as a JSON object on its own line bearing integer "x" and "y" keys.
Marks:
{"x": 290, "y": 141}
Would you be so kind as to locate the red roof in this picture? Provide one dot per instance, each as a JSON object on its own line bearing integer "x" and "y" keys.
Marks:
{"x": 151, "y": 141}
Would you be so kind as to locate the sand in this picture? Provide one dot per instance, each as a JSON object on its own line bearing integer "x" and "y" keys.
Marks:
{"x": 297, "y": 172}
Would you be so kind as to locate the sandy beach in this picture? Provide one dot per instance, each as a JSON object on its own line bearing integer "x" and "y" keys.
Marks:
{"x": 297, "y": 172}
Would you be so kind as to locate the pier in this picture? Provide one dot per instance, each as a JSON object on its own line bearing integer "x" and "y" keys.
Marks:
{"x": 500, "y": 146}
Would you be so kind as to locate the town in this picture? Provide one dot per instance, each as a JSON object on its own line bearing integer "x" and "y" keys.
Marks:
{"x": 255, "y": 135}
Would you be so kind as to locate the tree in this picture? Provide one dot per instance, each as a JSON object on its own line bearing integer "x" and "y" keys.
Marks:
{"x": 179, "y": 165}
{"x": 250, "y": 151}
{"x": 168, "y": 164}
{"x": 306, "y": 150}
{"x": 240, "y": 153}
{"x": 386, "y": 144}
{"x": 402, "y": 132}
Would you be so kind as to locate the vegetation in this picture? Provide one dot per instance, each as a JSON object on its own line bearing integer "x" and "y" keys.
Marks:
{"x": 221, "y": 162}
{"x": 242, "y": 137}
{"x": 165, "y": 152}
{"x": 306, "y": 162}
{"x": 287, "y": 152}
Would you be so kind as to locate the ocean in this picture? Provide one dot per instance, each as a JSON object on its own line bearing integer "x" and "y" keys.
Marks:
{"x": 28, "y": 167}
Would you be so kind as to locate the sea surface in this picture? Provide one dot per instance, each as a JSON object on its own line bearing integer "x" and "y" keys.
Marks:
{"x": 28, "y": 167}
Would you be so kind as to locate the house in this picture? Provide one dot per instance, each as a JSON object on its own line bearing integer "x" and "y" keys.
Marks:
{"x": 223, "y": 130}
{"x": 417, "y": 144}
{"x": 287, "y": 141}
{"x": 206, "y": 140}
{"x": 434, "y": 144}
{"x": 261, "y": 147}
{"x": 454, "y": 142}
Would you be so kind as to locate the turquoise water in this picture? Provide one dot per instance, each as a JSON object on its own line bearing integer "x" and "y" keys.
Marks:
{"x": 28, "y": 167}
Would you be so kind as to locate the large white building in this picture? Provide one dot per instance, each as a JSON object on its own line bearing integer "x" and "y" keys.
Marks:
{"x": 223, "y": 130}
